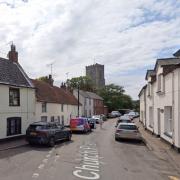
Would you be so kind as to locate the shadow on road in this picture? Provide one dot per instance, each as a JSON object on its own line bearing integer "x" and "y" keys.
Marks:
{"x": 131, "y": 141}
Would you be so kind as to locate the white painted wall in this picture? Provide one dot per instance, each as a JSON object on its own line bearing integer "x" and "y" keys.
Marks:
{"x": 26, "y": 110}
{"x": 54, "y": 109}
{"x": 170, "y": 97}
{"x": 86, "y": 107}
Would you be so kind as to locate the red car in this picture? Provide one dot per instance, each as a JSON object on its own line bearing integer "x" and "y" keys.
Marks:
{"x": 80, "y": 124}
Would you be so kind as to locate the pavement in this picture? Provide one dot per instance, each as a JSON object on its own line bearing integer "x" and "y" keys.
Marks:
{"x": 11, "y": 144}
{"x": 159, "y": 147}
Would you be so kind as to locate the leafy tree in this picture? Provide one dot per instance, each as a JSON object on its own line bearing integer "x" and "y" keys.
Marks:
{"x": 115, "y": 98}
{"x": 84, "y": 82}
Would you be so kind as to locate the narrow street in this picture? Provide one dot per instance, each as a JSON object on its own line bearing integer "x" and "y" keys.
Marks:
{"x": 108, "y": 160}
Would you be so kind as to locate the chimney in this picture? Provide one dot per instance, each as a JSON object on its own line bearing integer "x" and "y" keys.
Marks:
{"x": 50, "y": 80}
{"x": 13, "y": 55}
{"x": 63, "y": 85}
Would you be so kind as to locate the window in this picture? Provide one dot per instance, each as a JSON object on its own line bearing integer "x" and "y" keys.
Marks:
{"x": 89, "y": 113}
{"x": 52, "y": 118}
{"x": 89, "y": 101}
{"x": 44, "y": 107}
{"x": 62, "y": 107}
{"x": 160, "y": 83}
{"x": 14, "y": 97}
{"x": 168, "y": 120}
{"x": 13, "y": 126}
{"x": 44, "y": 118}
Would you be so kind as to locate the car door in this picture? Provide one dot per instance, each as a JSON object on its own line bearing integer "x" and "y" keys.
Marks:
{"x": 57, "y": 131}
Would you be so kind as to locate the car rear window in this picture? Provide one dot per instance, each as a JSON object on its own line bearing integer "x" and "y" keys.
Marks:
{"x": 127, "y": 127}
{"x": 37, "y": 127}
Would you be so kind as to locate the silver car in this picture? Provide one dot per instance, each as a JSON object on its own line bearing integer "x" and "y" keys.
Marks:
{"x": 127, "y": 131}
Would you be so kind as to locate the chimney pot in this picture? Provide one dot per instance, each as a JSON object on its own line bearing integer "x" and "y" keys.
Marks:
{"x": 13, "y": 54}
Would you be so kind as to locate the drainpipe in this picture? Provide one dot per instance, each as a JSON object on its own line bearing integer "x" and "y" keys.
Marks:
{"x": 145, "y": 109}
{"x": 173, "y": 137}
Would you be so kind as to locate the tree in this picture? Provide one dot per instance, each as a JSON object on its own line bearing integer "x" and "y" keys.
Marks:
{"x": 84, "y": 82}
{"x": 115, "y": 98}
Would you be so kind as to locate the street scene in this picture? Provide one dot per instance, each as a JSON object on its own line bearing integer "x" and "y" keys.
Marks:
{"x": 88, "y": 156}
{"x": 89, "y": 89}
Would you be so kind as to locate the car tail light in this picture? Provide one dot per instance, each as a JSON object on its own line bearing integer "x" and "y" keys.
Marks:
{"x": 118, "y": 130}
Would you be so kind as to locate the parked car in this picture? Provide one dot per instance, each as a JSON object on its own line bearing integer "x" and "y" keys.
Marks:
{"x": 127, "y": 131}
{"x": 115, "y": 114}
{"x": 92, "y": 123}
{"x": 129, "y": 116}
{"x": 123, "y": 119}
{"x": 46, "y": 133}
{"x": 80, "y": 124}
{"x": 97, "y": 117}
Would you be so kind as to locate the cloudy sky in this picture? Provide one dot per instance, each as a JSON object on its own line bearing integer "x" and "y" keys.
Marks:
{"x": 127, "y": 36}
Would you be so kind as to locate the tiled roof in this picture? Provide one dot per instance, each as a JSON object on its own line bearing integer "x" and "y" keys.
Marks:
{"x": 53, "y": 94}
{"x": 13, "y": 74}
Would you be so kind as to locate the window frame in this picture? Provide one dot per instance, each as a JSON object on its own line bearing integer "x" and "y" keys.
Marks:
{"x": 12, "y": 89}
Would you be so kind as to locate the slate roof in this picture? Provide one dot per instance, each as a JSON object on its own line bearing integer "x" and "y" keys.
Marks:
{"x": 13, "y": 74}
{"x": 88, "y": 94}
{"x": 177, "y": 53}
{"x": 94, "y": 95}
{"x": 53, "y": 94}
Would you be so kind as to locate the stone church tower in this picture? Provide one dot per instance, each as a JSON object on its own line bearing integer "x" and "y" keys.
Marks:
{"x": 96, "y": 73}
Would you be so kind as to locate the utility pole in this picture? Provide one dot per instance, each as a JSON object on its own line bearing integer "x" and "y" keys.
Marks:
{"x": 78, "y": 100}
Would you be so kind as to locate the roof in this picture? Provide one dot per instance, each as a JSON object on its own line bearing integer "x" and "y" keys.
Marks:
{"x": 167, "y": 61}
{"x": 13, "y": 74}
{"x": 150, "y": 72}
{"x": 144, "y": 87}
{"x": 94, "y": 95}
{"x": 53, "y": 94}
{"x": 177, "y": 53}
{"x": 88, "y": 94}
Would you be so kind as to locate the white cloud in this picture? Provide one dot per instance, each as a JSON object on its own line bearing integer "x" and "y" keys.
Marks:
{"x": 123, "y": 35}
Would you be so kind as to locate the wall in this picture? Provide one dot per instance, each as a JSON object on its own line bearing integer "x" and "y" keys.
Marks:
{"x": 26, "y": 110}
{"x": 53, "y": 109}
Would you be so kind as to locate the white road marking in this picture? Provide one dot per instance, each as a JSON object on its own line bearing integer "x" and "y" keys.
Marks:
{"x": 48, "y": 155}
{"x": 90, "y": 162}
{"x": 41, "y": 166}
{"x": 45, "y": 160}
{"x": 35, "y": 175}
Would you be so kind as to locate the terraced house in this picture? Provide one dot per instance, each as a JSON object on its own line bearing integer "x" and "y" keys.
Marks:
{"x": 55, "y": 104}
{"x": 17, "y": 97}
{"x": 160, "y": 100}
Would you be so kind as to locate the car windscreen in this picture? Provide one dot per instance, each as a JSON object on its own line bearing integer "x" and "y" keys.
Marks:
{"x": 124, "y": 121}
{"x": 127, "y": 127}
{"x": 37, "y": 127}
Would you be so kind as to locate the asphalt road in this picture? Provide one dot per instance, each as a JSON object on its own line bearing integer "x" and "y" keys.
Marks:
{"x": 93, "y": 156}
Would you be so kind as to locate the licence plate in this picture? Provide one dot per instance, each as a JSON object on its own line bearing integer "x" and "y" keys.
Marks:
{"x": 33, "y": 133}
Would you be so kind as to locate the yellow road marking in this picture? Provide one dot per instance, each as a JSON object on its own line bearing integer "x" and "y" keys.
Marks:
{"x": 173, "y": 178}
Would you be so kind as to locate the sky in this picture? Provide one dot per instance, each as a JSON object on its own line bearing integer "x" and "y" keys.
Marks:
{"x": 127, "y": 36}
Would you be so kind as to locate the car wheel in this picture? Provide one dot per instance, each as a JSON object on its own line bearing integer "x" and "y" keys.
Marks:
{"x": 51, "y": 142}
{"x": 30, "y": 143}
{"x": 116, "y": 139}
